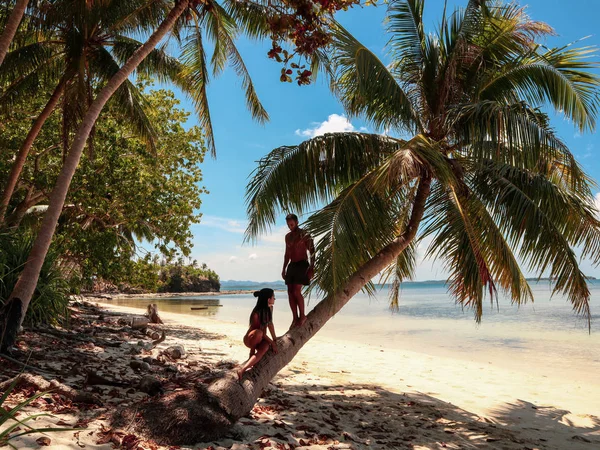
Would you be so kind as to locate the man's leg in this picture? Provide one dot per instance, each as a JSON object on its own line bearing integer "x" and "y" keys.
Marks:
{"x": 300, "y": 304}
{"x": 293, "y": 303}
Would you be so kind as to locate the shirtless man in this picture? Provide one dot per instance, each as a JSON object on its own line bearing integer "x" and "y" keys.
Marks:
{"x": 299, "y": 249}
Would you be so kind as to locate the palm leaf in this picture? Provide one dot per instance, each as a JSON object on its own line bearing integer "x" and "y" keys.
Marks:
{"x": 301, "y": 177}
{"x": 365, "y": 86}
{"x": 543, "y": 224}
{"x": 194, "y": 81}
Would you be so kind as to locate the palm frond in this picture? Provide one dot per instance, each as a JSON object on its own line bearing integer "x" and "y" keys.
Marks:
{"x": 225, "y": 32}
{"x": 408, "y": 38}
{"x": 127, "y": 99}
{"x": 509, "y": 133}
{"x": 365, "y": 86}
{"x": 403, "y": 269}
{"x": 557, "y": 77}
{"x": 252, "y": 17}
{"x": 194, "y": 81}
{"x": 158, "y": 64}
{"x": 544, "y": 223}
{"x": 351, "y": 230}
{"x": 301, "y": 177}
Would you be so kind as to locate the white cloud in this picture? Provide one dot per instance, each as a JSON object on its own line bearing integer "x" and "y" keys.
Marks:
{"x": 233, "y": 259}
{"x": 223, "y": 223}
{"x": 252, "y": 256}
{"x": 334, "y": 124}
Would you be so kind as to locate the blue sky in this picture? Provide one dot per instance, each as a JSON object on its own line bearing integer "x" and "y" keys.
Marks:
{"x": 299, "y": 112}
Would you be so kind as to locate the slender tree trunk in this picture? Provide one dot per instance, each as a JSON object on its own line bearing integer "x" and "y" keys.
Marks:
{"x": 185, "y": 417}
{"x": 27, "y": 282}
{"x": 19, "y": 163}
{"x": 11, "y": 27}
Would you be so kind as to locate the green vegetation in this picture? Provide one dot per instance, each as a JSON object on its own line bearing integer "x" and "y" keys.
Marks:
{"x": 149, "y": 274}
{"x": 126, "y": 198}
{"x": 50, "y": 300}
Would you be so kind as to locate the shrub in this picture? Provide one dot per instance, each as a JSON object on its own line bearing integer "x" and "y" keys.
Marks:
{"x": 49, "y": 304}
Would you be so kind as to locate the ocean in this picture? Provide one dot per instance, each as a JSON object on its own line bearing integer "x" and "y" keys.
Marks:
{"x": 545, "y": 335}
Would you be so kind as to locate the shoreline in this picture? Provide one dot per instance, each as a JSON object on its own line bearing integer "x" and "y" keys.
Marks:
{"x": 159, "y": 295}
{"x": 525, "y": 403}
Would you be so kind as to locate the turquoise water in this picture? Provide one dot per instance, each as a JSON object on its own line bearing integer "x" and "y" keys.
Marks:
{"x": 545, "y": 333}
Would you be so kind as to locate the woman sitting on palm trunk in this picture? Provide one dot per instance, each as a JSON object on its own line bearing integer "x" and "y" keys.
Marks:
{"x": 256, "y": 337}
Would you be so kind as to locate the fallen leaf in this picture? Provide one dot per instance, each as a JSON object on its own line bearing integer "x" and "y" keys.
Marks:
{"x": 44, "y": 441}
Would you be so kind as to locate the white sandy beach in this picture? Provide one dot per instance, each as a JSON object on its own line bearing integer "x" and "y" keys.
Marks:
{"x": 341, "y": 395}
{"x": 545, "y": 407}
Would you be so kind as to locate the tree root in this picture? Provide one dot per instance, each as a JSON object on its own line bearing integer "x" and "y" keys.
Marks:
{"x": 178, "y": 418}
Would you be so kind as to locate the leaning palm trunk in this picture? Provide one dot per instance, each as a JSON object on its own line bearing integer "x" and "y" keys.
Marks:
{"x": 10, "y": 30}
{"x": 25, "y": 287}
{"x": 19, "y": 163}
{"x": 238, "y": 399}
{"x": 185, "y": 417}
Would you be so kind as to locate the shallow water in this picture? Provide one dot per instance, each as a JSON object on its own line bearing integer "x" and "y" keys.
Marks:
{"x": 544, "y": 336}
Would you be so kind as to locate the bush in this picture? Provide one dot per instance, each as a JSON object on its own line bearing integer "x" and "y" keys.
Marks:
{"x": 49, "y": 304}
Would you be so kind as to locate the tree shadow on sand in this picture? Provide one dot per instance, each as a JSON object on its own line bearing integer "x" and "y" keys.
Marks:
{"x": 361, "y": 416}
{"x": 577, "y": 431}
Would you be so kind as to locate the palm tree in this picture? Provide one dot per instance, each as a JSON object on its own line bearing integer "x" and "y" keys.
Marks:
{"x": 77, "y": 49}
{"x": 11, "y": 26}
{"x": 480, "y": 172}
{"x": 220, "y": 25}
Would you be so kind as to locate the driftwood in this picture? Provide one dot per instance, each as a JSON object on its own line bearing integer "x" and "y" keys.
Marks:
{"x": 40, "y": 384}
{"x": 152, "y": 313}
{"x": 159, "y": 340}
{"x": 139, "y": 323}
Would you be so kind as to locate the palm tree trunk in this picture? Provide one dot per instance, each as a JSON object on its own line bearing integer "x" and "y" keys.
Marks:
{"x": 27, "y": 282}
{"x": 11, "y": 27}
{"x": 237, "y": 399}
{"x": 19, "y": 163}
{"x": 187, "y": 416}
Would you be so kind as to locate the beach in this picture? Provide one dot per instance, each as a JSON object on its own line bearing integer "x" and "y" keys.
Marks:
{"x": 347, "y": 388}
{"x": 539, "y": 405}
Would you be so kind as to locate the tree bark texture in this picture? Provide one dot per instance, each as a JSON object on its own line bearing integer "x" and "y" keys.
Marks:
{"x": 14, "y": 20}
{"x": 19, "y": 163}
{"x": 26, "y": 284}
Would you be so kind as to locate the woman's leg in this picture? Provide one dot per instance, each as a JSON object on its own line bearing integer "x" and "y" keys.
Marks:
{"x": 261, "y": 349}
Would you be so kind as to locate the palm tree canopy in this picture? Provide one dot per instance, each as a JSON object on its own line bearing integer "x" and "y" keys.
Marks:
{"x": 86, "y": 43}
{"x": 475, "y": 95}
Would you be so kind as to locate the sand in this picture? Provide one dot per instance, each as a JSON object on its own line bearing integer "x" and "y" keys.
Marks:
{"x": 338, "y": 394}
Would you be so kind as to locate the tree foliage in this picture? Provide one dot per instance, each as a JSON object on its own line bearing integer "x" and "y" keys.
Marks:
{"x": 128, "y": 193}
{"x": 475, "y": 95}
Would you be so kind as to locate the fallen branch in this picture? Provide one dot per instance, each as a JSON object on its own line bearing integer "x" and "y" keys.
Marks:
{"x": 40, "y": 384}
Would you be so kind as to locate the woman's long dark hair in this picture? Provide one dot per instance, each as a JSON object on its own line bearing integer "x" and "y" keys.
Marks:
{"x": 265, "y": 314}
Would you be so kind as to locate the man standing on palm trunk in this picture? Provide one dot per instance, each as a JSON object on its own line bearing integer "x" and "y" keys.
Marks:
{"x": 300, "y": 254}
